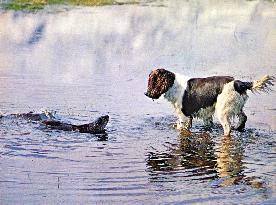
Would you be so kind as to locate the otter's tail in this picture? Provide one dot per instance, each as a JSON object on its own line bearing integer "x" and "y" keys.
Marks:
{"x": 263, "y": 85}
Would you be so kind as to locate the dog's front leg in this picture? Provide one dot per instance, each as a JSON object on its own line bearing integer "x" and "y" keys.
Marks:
{"x": 184, "y": 122}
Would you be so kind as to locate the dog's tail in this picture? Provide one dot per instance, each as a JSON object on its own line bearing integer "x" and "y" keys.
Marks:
{"x": 262, "y": 85}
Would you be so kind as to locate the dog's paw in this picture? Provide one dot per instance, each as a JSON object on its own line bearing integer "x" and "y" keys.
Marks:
{"x": 180, "y": 125}
{"x": 183, "y": 125}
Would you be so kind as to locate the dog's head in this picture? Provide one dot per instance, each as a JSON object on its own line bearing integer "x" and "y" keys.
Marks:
{"x": 159, "y": 82}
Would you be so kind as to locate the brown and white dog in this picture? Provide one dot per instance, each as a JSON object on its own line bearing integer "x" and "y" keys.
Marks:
{"x": 202, "y": 97}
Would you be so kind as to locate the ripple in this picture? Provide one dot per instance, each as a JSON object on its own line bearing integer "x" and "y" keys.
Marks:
{"x": 87, "y": 62}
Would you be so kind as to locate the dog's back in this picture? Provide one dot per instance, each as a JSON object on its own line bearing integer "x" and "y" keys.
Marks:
{"x": 202, "y": 93}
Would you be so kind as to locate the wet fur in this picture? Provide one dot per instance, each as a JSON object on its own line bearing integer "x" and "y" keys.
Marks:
{"x": 95, "y": 127}
{"x": 202, "y": 97}
{"x": 47, "y": 119}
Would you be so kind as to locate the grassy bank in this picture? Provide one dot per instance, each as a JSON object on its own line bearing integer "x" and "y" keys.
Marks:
{"x": 33, "y": 5}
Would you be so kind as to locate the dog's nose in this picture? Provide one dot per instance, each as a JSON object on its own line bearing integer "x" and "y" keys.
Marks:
{"x": 146, "y": 94}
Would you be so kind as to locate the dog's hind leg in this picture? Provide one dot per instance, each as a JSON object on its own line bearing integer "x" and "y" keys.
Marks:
{"x": 229, "y": 104}
{"x": 242, "y": 120}
{"x": 225, "y": 122}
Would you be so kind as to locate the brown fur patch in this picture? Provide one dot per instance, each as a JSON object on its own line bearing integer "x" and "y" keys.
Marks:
{"x": 202, "y": 93}
{"x": 159, "y": 82}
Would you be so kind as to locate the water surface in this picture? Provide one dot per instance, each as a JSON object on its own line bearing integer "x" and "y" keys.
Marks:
{"x": 85, "y": 62}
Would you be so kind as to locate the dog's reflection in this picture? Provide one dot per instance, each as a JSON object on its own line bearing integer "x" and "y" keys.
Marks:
{"x": 230, "y": 166}
{"x": 198, "y": 157}
{"x": 194, "y": 153}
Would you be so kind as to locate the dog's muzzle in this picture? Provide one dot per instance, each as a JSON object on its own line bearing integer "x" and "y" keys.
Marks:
{"x": 150, "y": 96}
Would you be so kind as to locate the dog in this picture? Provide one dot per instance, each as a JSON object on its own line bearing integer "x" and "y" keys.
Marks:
{"x": 202, "y": 97}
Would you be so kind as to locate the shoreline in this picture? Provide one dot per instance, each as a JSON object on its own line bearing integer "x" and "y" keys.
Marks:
{"x": 36, "y": 5}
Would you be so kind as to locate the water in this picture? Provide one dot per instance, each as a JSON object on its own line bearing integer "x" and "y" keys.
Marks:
{"x": 86, "y": 62}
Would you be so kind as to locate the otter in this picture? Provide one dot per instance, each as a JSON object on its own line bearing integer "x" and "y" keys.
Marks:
{"x": 96, "y": 127}
{"x": 51, "y": 122}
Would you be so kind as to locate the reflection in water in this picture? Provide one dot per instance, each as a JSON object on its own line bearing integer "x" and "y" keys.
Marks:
{"x": 196, "y": 158}
{"x": 193, "y": 155}
{"x": 229, "y": 158}
{"x": 230, "y": 166}
{"x": 37, "y": 34}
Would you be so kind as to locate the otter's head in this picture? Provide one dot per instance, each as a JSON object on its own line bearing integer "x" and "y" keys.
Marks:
{"x": 159, "y": 82}
{"x": 101, "y": 122}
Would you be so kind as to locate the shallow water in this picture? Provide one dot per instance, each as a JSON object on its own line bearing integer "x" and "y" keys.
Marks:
{"x": 86, "y": 62}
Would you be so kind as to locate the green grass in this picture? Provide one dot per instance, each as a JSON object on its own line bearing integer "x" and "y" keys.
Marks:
{"x": 34, "y": 5}
{"x": 25, "y": 5}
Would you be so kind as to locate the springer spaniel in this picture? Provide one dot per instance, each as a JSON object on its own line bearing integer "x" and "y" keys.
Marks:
{"x": 202, "y": 97}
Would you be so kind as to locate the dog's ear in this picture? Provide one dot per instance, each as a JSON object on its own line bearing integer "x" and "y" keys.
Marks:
{"x": 159, "y": 82}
